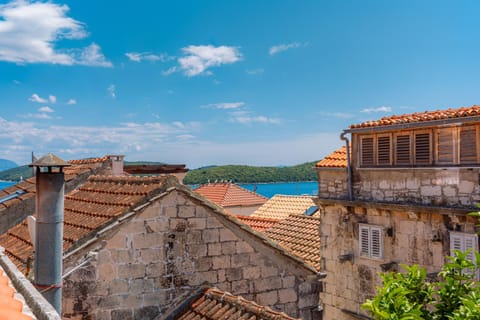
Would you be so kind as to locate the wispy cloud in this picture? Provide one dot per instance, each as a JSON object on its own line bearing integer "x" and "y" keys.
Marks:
{"x": 247, "y": 118}
{"x": 284, "y": 47}
{"x": 254, "y": 71}
{"x": 148, "y": 56}
{"x": 29, "y": 31}
{"x": 111, "y": 91}
{"x": 378, "y": 109}
{"x": 52, "y": 99}
{"x": 225, "y": 105}
{"x": 340, "y": 115}
{"x": 46, "y": 109}
{"x": 36, "y": 98}
{"x": 197, "y": 60}
{"x": 71, "y": 102}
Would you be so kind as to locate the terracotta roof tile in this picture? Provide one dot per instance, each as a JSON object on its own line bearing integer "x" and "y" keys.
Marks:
{"x": 300, "y": 236}
{"x": 214, "y": 304}
{"x": 10, "y": 306}
{"x": 98, "y": 201}
{"x": 258, "y": 223}
{"x": 337, "y": 159}
{"x": 281, "y": 206}
{"x": 230, "y": 195}
{"x": 425, "y": 116}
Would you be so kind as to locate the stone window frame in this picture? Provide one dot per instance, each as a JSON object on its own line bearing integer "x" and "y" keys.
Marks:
{"x": 370, "y": 241}
{"x": 463, "y": 241}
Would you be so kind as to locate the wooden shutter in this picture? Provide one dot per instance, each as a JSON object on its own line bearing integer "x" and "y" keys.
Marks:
{"x": 446, "y": 145}
{"x": 376, "y": 243}
{"x": 468, "y": 144}
{"x": 402, "y": 149}
{"x": 367, "y": 151}
{"x": 384, "y": 150}
{"x": 423, "y": 148}
{"x": 364, "y": 241}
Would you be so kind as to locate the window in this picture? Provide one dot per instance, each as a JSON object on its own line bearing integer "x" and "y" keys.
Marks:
{"x": 402, "y": 149}
{"x": 463, "y": 242}
{"x": 366, "y": 151}
{"x": 446, "y": 145}
{"x": 384, "y": 150}
{"x": 371, "y": 241}
{"x": 423, "y": 147}
{"x": 468, "y": 144}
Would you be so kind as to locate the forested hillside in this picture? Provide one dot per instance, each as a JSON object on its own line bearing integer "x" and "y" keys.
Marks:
{"x": 250, "y": 174}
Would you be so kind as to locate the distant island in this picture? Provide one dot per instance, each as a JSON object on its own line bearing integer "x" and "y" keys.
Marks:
{"x": 234, "y": 173}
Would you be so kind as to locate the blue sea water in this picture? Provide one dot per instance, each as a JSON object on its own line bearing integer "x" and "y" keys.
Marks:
{"x": 289, "y": 188}
{"x": 6, "y": 184}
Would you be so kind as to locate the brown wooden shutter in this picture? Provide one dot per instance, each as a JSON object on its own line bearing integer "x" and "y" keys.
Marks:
{"x": 367, "y": 151}
{"x": 446, "y": 145}
{"x": 384, "y": 150}
{"x": 423, "y": 148}
{"x": 402, "y": 149}
{"x": 468, "y": 144}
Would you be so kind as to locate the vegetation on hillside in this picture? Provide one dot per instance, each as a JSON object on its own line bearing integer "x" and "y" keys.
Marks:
{"x": 16, "y": 174}
{"x": 250, "y": 174}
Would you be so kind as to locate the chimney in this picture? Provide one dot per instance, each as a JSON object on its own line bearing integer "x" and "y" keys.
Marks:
{"x": 117, "y": 165}
{"x": 49, "y": 228}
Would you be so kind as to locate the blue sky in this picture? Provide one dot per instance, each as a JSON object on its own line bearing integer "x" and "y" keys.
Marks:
{"x": 224, "y": 82}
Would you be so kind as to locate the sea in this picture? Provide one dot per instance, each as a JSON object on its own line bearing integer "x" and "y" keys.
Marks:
{"x": 265, "y": 189}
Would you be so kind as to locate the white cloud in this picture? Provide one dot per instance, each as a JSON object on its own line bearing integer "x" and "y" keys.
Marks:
{"x": 225, "y": 105}
{"x": 379, "y": 109}
{"x": 198, "y": 59}
{"x": 52, "y": 99}
{"x": 111, "y": 91}
{"x": 46, "y": 109}
{"x": 340, "y": 115}
{"x": 147, "y": 56}
{"x": 36, "y": 98}
{"x": 41, "y": 115}
{"x": 29, "y": 31}
{"x": 283, "y": 47}
{"x": 71, "y": 102}
{"x": 247, "y": 118}
{"x": 254, "y": 71}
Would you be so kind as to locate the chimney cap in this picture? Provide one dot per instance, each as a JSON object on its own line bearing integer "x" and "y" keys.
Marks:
{"x": 49, "y": 160}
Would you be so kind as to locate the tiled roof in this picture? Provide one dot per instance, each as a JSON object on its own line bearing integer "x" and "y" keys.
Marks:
{"x": 300, "y": 236}
{"x": 214, "y": 304}
{"x": 230, "y": 195}
{"x": 258, "y": 223}
{"x": 281, "y": 206}
{"x": 463, "y": 112}
{"x": 78, "y": 167}
{"x": 337, "y": 159}
{"x": 11, "y": 307}
{"x": 94, "y": 204}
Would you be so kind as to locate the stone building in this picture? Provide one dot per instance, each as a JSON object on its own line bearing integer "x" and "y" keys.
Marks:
{"x": 399, "y": 192}
{"x": 134, "y": 245}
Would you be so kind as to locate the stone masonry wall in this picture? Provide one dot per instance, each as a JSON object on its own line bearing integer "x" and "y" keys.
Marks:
{"x": 416, "y": 238}
{"x": 168, "y": 249}
{"x": 332, "y": 184}
{"x": 432, "y": 186}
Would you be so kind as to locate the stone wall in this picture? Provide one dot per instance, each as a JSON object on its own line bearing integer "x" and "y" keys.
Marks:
{"x": 416, "y": 238}
{"x": 332, "y": 183}
{"x": 432, "y": 186}
{"x": 173, "y": 246}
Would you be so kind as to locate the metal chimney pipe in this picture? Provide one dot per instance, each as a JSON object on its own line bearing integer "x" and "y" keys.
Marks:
{"x": 49, "y": 228}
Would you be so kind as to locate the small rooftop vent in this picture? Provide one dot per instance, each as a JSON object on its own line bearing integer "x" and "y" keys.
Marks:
{"x": 310, "y": 211}
{"x": 14, "y": 195}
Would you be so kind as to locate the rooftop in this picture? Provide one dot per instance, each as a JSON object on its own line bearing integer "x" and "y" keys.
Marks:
{"x": 464, "y": 112}
{"x": 299, "y": 235}
{"x": 337, "y": 159}
{"x": 258, "y": 223}
{"x": 281, "y": 206}
{"x": 230, "y": 195}
{"x": 214, "y": 304}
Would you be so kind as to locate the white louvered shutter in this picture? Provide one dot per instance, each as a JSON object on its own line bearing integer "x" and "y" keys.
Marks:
{"x": 464, "y": 242}
{"x": 364, "y": 241}
{"x": 376, "y": 244}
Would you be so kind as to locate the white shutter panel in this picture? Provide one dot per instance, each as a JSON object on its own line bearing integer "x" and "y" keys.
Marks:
{"x": 464, "y": 242}
{"x": 364, "y": 240}
{"x": 471, "y": 242}
{"x": 455, "y": 243}
{"x": 376, "y": 242}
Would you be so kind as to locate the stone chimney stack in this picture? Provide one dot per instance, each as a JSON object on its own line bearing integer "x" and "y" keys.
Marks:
{"x": 117, "y": 165}
{"x": 49, "y": 207}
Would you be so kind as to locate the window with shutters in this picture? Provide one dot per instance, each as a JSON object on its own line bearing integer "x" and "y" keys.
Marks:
{"x": 463, "y": 242}
{"x": 384, "y": 150}
{"x": 446, "y": 145}
{"x": 423, "y": 148}
{"x": 366, "y": 151}
{"x": 370, "y": 241}
{"x": 468, "y": 144}
{"x": 403, "y": 149}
